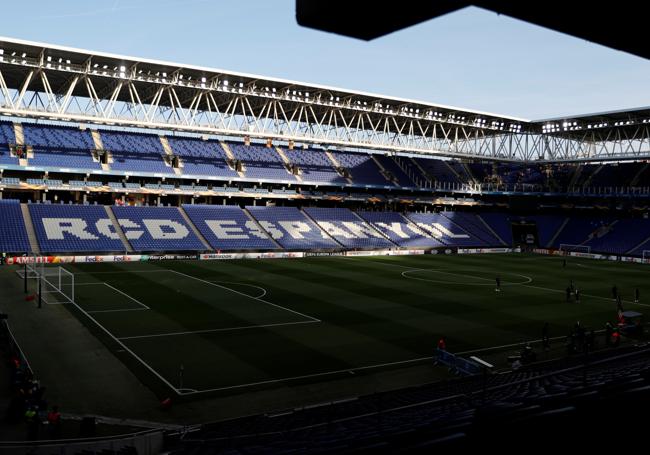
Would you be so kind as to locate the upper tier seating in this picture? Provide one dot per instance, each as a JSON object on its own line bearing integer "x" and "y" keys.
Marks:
{"x": 201, "y": 157}
{"x": 261, "y": 162}
{"x": 315, "y": 166}
{"x": 363, "y": 169}
{"x": 135, "y": 152}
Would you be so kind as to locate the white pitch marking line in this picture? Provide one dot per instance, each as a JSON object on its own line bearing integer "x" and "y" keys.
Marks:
{"x": 116, "y": 311}
{"x": 245, "y": 295}
{"x": 118, "y": 271}
{"x": 367, "y": 367}
{"x": 243, "y": 284}
{"x": 128, "y": 296}
{"x": 326, "y": 373}
{"x": 225, "y": 329}
{"x": 406, "y": 272}
{"x": 126, "y": 348}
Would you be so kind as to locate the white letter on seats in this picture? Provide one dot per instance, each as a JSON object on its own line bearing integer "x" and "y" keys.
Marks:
{"x": 271, "y": 229}
{"x": 131, "y": 235}
{"x": 334, "y": 230}
{"x": 155, "y": 229}
{"x": 105, "y": 227}
{"x": 56, "y": 227}
{"x": 255, "y": 231}
{"x": 361, "y": 230}
{"x": 221, "y": 229}
{"x": 295, "y": 228}
{"x": 395, "y": 228}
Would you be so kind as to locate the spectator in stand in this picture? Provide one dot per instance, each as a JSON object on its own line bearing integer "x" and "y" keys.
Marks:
{"x": 442, "y": 344}
{"x": 609, "y": 330}
{"x": 54, "y": 423}
{"x": 31, "y": 418}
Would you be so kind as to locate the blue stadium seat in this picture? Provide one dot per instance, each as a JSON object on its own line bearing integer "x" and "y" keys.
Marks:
{"x": 74, "y": 228}
{"x": 227, "y": 227}
{"x": 13, "y": 235}
{"x": 157, "y": 229}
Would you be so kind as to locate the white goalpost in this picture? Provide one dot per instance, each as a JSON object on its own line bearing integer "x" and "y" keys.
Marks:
{"x": 55, "y": 284}
{"x": 568, "y": 248}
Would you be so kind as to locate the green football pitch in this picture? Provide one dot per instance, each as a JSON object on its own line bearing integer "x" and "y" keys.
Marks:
{"x": 218, "y": 326}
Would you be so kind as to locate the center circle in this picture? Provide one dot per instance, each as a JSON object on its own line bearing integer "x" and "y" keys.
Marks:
{"x": 466, "y": 279}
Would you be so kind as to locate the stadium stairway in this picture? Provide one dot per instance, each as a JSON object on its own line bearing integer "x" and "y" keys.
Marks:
{"x": 492, "y": 231}
{"x": 638, "y": 249}
{"x": 557, "y": 234}
{"x": 336, "y": 164}
{"x": 118, "y": 229}
{"x": 226, "y": 148}
{"x": 287, "y": 161}
{"x": 468, "y": 171}
{"x": 169, "y": 152}
{"x": 29, "y": 227}
{"x": 259, "y": 226}
{"x": 198, "y": 234}
{"x": 424, "y": 173}
{"x": 383, "y": 171}
{"x": 638, "y": 175}
{"x": 304, "y": 212}
{"x": 454, "y": 171}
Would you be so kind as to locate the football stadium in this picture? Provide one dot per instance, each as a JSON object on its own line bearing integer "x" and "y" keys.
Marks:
{"x": 203, "y": 261}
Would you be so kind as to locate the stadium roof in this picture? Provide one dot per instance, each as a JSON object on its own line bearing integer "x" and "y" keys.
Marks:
{"x": 52, "y": 82}
{"x": 113, "y": 62}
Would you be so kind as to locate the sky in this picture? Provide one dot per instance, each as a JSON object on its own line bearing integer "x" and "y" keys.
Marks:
{"x": 473, "y": 59}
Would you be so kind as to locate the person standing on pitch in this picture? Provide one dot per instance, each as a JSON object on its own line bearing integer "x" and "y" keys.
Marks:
{"x": 577, "y": 293}
{"x": 564, "y": 263}
{"x": 619, "y": 304}
{"x": 636, "y": 295}
{"x": 498, "y": 281}
{"x": 546, "y": 342}
{"x": 614, "y": 292}
{"x": 568, "y": 293}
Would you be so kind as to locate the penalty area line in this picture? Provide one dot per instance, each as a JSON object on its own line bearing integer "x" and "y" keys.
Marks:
{"x": 225, "y": 329}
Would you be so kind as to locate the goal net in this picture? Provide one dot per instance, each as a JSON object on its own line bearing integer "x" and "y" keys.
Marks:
{"x": 646, "y": 254}
{"x": 568, "y": 248}
{"x": 57, "y": 285}
{"x": 54, "y": 283}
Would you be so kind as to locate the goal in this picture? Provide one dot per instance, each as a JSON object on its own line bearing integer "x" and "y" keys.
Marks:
{"x": 55, "y": 283}
{"x": 568, "y": 248}
{"x": 646, "y": 254}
